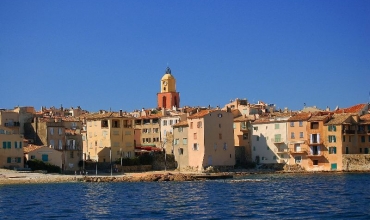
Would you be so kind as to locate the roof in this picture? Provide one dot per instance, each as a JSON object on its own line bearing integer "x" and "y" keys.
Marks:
{"x": 181, "y": 124}
{"x": 105, "y": 115}
{"x": 353, "y": 109}
{"x": 338, "y": 119}
{"x": 168, "y": 74}
{"x": 311, "y": 109}
{"x": 244, "y": 118}
{"x": 304, "y": 116}
{"x": 318, "y": 118}
{"x": 365, "y": 118}
{"x": 30, "y": 148}
{"x": 201, "y": 113}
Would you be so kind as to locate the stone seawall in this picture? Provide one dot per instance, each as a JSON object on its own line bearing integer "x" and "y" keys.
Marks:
{"x": 356, "y": 162}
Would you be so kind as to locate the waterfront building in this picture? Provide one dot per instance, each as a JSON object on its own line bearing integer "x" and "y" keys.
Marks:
{"x": 10, "y": 119}
{"x": 44, "y": 154}
{"x": 147, "y": 129}
{"x": 110, "y": 135}
{"x": 11, "y": 149}
{"x": 181, "y": 150}
{"x": 168, "y": 97}
{"x": 168, "y": 119}
{"x": 211, "y": 139}
{"x": 242, "y": 136}
{"x": 269, "y": 139}
{"x": 297, "y": 140}
{"x": 364, "y": 133}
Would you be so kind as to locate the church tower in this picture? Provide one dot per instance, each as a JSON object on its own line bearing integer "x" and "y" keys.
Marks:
{"x": 168, "y": 97}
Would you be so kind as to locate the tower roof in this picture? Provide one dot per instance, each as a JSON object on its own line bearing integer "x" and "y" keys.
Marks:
{"x": 168, "y": 74}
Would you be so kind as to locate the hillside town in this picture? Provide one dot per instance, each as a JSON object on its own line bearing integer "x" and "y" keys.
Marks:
{"x": 238, "y": 134}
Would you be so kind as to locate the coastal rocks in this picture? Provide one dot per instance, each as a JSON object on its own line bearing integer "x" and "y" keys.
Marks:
{"x": 143, "y": 178}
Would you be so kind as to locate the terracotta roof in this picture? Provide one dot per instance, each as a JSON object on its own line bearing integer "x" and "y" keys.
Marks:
{"x": 158, "y": 115}
{"x": 304, "y": 116}
{"x": 201, "y": 113}
{"x": 244, "y": 118}
{"x": 318, "y": 118}
{"x": 31, "y": 147}
{"x": 365, "y": 118}
{"x": 353, "y": 109}
{"x": 338, "y": 119}
{"x": 262, "y": 121}
{"x": 105, "y": 115}
{"x": 181, "y": 124}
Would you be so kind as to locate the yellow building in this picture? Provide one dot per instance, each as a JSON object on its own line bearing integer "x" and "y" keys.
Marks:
{"x": 109, "y": 135}
{"x": 44, "y": 154}
{"x": 11, "y": 150}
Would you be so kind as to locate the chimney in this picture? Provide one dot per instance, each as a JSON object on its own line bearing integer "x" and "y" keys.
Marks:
{"x": 120, "y": 113}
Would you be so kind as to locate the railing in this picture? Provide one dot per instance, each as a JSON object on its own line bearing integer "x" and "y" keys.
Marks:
{"x": 300, "y": 151}
{"x": 277, "y": 140}
{"x": 315, "y": 142}
{"x": 361, "y": 132}
{"x": 282, "y": 150}
{"x": 349, "y": 131}
{"x": 315, "y": 154}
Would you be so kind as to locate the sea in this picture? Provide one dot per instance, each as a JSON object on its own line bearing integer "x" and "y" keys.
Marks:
{"x": 257, "y": 196}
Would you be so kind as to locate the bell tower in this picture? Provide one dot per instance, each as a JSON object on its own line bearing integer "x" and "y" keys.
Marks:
{"x": 168, "y": 97}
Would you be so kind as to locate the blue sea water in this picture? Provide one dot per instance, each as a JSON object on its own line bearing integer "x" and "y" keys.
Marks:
{"x": 260, "y": 196}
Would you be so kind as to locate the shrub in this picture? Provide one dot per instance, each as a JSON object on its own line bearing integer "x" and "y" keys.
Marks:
{"x": 40, "y": 165}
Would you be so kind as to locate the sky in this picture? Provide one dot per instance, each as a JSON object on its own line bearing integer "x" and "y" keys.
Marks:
{"x": 112, "y": 54}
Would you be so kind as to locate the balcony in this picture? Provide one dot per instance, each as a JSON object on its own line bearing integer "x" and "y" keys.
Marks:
{"x": 315, "y": 154}
{"x": 315, "y": 142}
{"x": 243, "y": 128}
{"x": 277, "y": 140}
{"x": 297, "y": 151}
{"x": 361, "y": 132}
{"x": 348, "y": 131}
{"x": 281, "y": 150}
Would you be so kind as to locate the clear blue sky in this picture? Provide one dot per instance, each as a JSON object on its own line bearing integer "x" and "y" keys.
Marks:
{"x": 112, "y": 54}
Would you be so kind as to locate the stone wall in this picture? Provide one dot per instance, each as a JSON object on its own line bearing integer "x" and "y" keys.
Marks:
{"x": 356, "y": 162}
{"x": 159, "y": 161}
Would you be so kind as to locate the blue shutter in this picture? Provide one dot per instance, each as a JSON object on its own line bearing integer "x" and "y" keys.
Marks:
{"x": 4, "y": 144}
{"x": 45, "y": 157}
{"x": 20, "y": 144}
{"x": 9, "y": 144}
{"x": 15, "y": 144}
{"x": 9, "y": 160}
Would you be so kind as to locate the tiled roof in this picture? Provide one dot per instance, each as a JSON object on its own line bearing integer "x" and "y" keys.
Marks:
{"x": 158, "y": 115}
{"x": 338, "y": 119}
{"x": 365, "y": 118}
{"x": 181, "y": 124}
{"x": 353, "y": 109}
{"x": 244, "y": 118}
{"x": 31, "y": 147}
{"x": 104, "y": 115}
{"x": 304, "y": 116}
{"x": 318, "y": 118}
{"x": 201, "y": 113}
{"x": 262, "y": 121}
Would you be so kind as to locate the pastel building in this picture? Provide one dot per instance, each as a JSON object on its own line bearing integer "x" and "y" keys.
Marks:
{"x": 211, "y": 139}
{"x": 44, "y": 154}
{"x": 11, "y": 149}
{"x": 110, "y": 135}
{"x": 181, "y": 149}
{"x": 269, "y": 140}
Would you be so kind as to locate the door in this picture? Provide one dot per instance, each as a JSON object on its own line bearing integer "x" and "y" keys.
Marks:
{"x": 45, "y": 157}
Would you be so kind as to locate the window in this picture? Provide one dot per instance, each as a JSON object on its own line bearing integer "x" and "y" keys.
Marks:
{"x": 315, "y": 162}
{"x": 254, "y": 148}
{"x": 155, "y": 130}
{"x": 60, "y": 144}
{"x": 171, "y": 122}
{"x": 195, "y": 136}
{"x": 115, "y": 123}
{"x": 215, "y": 146}
{"x": 195, "y": 146}
{"x": 176, "y": 141}
{"x": 292, "y": 135}
{"x": 181, "y": 151}
{"x": 300, "y": 123}
{"x": 366, "y": 150}
{"x": 52, "y": 143}
{"x": 9, "y": 160}
{"x": 245, "y": 136}
{"x": 220, "y": 136}
{"x": 300, "y": 134}
{"x": 51, "y": 131}
{"x": 15, "y": 144}
{"x": 225, "y": 146}
{"x": 292, "y": 124}
{"x": 71, "y": 154}
{"x": 277, "y": 126}
{"x": 219, "y": 115}
{"x": 332, "y": 150}
{"x": 191, "y": 125}
{"x": 258, "y": 138}
{"x": 45, "y": 158}
{"x": 60, "y": 131}
{"x": 234, "y": 126}
{"x": 199, "y": 124}
{"x": 344, "y": 138}
{"x": 164, "y": 122}
{"x": 184, "y": 141}
{"x": 96, "y": 143}
{"x": 255, "y": 128}
{"x": 332, "y": 139}
{"x": 180, "y": 129}
{"x": 33, "y": 157}
{"x": 363, "y": 139}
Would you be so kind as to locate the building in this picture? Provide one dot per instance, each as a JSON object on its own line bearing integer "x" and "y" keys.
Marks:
{"x": 180, "y": 143}
{"x": 44, "y": 154}
{"x": 168, "y": 97}
{"x": 269, "y": 139}
{"x": 10, "y": 119}
{"x": 242, "y": 135}
{"x": 297, "y": 140}
{"x": 168, "y": 119}
{"x": 11, "y": 151}
{"x": 211, "y": 139}
{"x": 110, "y": 135}
{"x": 147, "y": 129}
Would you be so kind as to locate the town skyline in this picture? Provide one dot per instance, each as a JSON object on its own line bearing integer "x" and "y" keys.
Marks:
{"x": 112, "y": 55}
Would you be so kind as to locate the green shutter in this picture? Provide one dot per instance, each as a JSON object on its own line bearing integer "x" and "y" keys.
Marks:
{"x": 9, "y": 144}
{"x": 335, "y": 128}
{"x": 20, "y": 144}
{"x": 9, "y": 160}
{"x": 335, "y": 150}
{"x": 15, "y": 144}
{"x": 18, "y": 160}
{"x": 333, "y": 166}
{"x": 329, "y": 128}
{"x": 4, "y": 144}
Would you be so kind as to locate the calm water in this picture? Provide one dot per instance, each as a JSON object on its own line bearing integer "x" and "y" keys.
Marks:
{"x": 283, "y": 196}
